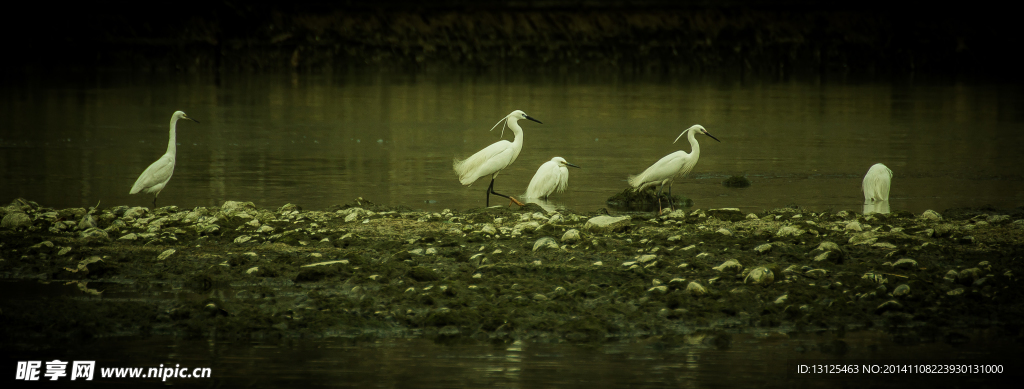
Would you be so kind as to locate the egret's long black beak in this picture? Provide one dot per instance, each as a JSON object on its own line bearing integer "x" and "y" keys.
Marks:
{"x": 712, "y": 136}
{"x": 194, "y": 120}
{"x": 528, "y": 117}
{"x": 569, "y": 164}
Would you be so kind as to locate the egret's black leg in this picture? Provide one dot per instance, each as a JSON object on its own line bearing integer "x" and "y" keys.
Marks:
{"x": 658, "y": 196}
{"x": 490, "y": 190}
{"x": 671, "y": 202}
{"x": 154, "y": 203}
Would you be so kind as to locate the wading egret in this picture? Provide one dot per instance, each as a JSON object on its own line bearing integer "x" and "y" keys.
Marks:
{"x": 671, "y": 166}
{"x": 494, "y": 158}
{"x": 155, "y": 178}
{"x": 553, "y": 176}
{"x": 876, "y": 184}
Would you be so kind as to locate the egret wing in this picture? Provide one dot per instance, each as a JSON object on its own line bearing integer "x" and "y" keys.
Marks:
{"x": 666, "y": 168}
{"x": 545, "y": 182}
{"x": 485, "y": 162}
{"x": 158, "y": 172}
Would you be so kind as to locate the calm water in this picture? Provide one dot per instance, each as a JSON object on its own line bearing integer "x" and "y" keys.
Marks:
{"x": 318, "y": 140}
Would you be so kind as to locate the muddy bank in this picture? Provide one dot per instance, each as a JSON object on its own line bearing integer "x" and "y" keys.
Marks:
{"x": 368, "y": 271}
{"x": 776, "y": 39}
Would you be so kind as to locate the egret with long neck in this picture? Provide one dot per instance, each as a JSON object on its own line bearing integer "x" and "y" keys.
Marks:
{"x": 156, "y": 176}
{"x": 671, "y": 166}
{"x": 492, "y": 159}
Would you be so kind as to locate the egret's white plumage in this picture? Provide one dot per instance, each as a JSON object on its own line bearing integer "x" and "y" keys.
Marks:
{"x": 876, "y": 183}
{"x": 156, "y": 176}
{"x": 671, "y": 166}
{"x": 551, "y": 177}
{"x": 492, "y": 159}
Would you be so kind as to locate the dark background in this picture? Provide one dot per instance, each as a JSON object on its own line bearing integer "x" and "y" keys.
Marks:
{"x": 775, "y": 38}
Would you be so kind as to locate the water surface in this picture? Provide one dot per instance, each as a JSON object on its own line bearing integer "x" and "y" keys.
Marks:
{"x": 318, "y": 140}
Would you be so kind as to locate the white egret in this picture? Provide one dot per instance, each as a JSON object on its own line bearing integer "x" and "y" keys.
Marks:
{"x": 876, "y": 183}
{"x": 671, "y": 166}
{"x": 553, "y": 176}
{"x": 156, "y": 176}
{"x": 494, "y": 158}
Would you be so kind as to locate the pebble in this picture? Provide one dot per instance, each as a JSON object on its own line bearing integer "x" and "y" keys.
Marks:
{"x": 731, "y": 265}
{"x": 165, "y": 254}
{"x": 901, "y": 290}
{"x": 724, "y": 231}
{"x": 931, "y": 215}
{"x": 607, "y": 223}
{"x": 789, "y": 231}
{"x": 696, "y": 289}
{"x": 760, "y": 276}
{"x": 571, "y": 236}
{"x": 545, "y": 243}
{"x": 763, "y": 248}
{"x": 905, "y": 263}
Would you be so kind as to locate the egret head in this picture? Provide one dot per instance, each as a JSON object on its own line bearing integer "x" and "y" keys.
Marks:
{"x": 182, "y": 115}
{"x": 699, "y": 129}
{"x": 563, "y": 163}
{"x": 518, "y": 114}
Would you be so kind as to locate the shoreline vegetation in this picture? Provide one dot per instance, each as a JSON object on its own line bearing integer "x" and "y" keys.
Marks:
{"x": 777, "y": 39}
{"x": 367, "y": 271}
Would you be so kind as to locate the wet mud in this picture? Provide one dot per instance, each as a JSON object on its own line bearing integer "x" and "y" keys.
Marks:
{"x": 367, "y": 271}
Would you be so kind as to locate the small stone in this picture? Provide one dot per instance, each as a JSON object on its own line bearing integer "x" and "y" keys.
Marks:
{"x": 696, "y": 289}
{"x": 598, "y": 263}
{"x": 782, "y": 299}
{"x": 545, "y": 243}
{"x": 488, "y": 229}
{"x": 571, "y": 236}
{"x": 243, "y": 239}
{"x": 816, "y": 273}
{"x": 724, "y": 231}
{"x": 643, "y": 259}
{"x": 828, "y": 246}
{"x": 341, "y": 262}
{"x": 891, "y": 305}
{"x": 431, "y": 251}
{"x": 951, "y": 276}
{"x": 675, "y": 215}
{"x": 969, "y": 275}
{"x": 956, "y": 292}
{"x": 884, "y": 245}
{"x": 478, "y": 276}
{"x": 854, "y": 226}
{"x": 763, "y": 248}
{"x": 677, "y": 282}
{"x": 905, "y": 263}
{"x": 789, "y": 231}
{"x": 63, "y": 251}
{"x": 416, "y": 251}
{"x": 729, "y": 266}
{"x": 165, "y": 254}
{"x": 874, "y": 278}
{"x": 128, "y": 236}
{"x": 95, "y": 233}
{"x": 540, "y": 297}
{"x": 675, "y": 238}
{"x": 931, "y": 215}
{"x": 660, "y": 289}
{"x": 628, "y": 264}
{"x": 375, "y": 277}
{"x": 607, "y": 223}
{"x": 901, "y": 290}
{"x": 863, "y": 238}
{"x": 760, "y": 276}
{"x": 751, "y": 216}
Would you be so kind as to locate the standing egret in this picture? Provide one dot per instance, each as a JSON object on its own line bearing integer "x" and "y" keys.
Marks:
{"x": 553, "y": 176}
{"x": 494, "y": 158}
{"x": 155, "y": 178}
{"x": 671, "y": 166}
{"x": 876, "y": 183}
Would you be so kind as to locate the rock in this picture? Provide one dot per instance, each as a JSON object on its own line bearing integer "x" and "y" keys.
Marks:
{"x": 231, "y": 208}
{"x": 488, "y": 229}
{"x": 540, "y": 297}
{"x": 828, "y": 246}
{"x": 760, "y": 276}
{"x": 243, "y": 238}
{"x": 135, "y": 212}
{"x": 660, "y": 289}
{"x": 287, "y": 208}
{"x": 675, "y": 215}
{"x": 676, "y": 283}
{"x": 905, "y": 263}
{"x": 675, "y": 238}
{"x": 874, "y": 278}
{"x": 728, "y": 214}
{"x": 607, "y": 223}
{"x": 816, "y": 273}
{"x": 86, "y": 222}
{"x": 724, "y": 231}
{"x": 165, "y": 254}
{"x": 969, "y": 275}
{"x": 764, "y": 248}
{"x": 901, "y": 290}
{"x": 431, "y": 251}
{"x": 416, "y": 251}
{"x": 252, "y": 270}
{"x": 789, "y": 231}
{"x": 731, "y": 265}
{"x": 129, "y": 236}
{"x": 943, "y": 230}
{"x": 951, "y": 276}
{"x": 95, "y": 233}
{"x": 696, "y": 289}
{"x": 15, "y": 220}
{"x": 854, "y": 226}
{"x": 998, "y": 219}
{"x": 890, "y": 305}
{"x": 751, "y": 216}
{"x": 931, "y": 215}
{"x": 545, "y": 243}
{"x": 782, "y": 299}
{"x": 571, "y": 236}
{"x": 556, "y": 219}
{"x": 525, "y": 226}
{"x": 863, "y": 238}
{"x": 341, "y": 262}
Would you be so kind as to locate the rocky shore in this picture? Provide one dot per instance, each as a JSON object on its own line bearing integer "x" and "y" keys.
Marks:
{"x": 368, "y": 271}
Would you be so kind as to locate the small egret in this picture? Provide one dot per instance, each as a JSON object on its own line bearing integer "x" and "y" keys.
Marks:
{"x": 671, "y": 166}
{"x": 876, "y": 183}
{"x": 494, "y": 158}
{"x": 553, "y": 176}
{"x": 155, "y": 178}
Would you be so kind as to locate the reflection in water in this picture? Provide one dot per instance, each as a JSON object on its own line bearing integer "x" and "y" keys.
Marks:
{"x": 319, "y": 140}
{"x": 876, "y": 207}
